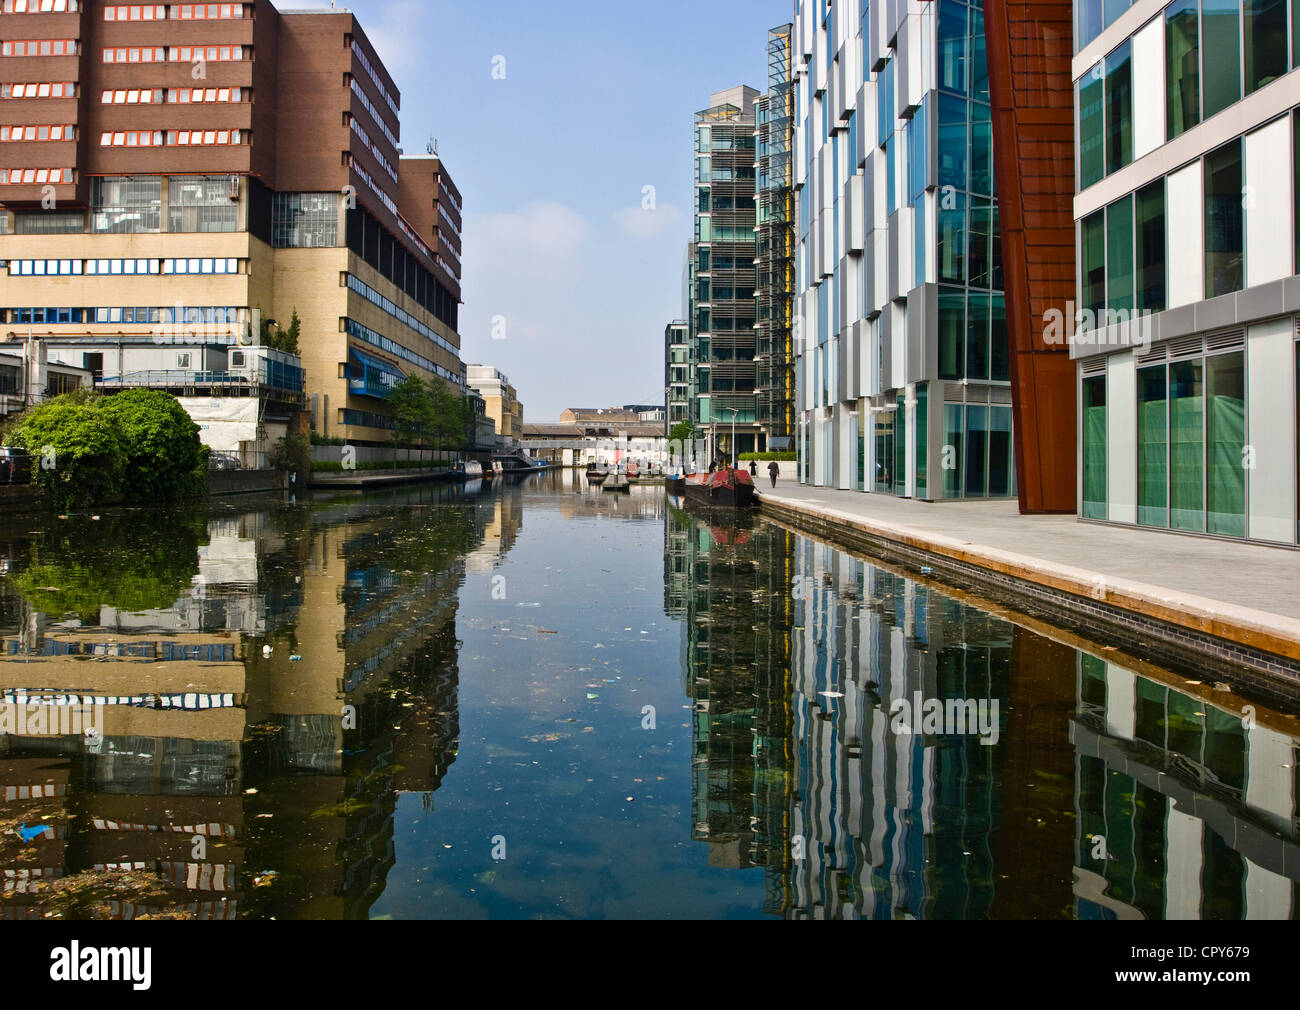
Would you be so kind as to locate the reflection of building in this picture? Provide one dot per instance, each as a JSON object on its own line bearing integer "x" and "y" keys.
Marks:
{"x": 728, "y": 586}
{"x": 1185, "y": 811}
{"x": 204, "y": 734}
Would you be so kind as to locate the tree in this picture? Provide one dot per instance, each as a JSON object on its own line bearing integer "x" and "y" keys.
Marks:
{"x": 139, "y": 445}
{"x": 288, "y": 338}
{"x": 448, "y": 416}
{"x": 413, "y": 411}
{"x": 681, "y": 439}
{"x": 292, "y": 454}
{"x": 78, "y": 458}
{"x": 164, "y": 458}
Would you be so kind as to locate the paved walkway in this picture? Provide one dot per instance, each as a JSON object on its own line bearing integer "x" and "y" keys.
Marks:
{"x": 1234, "y": 590}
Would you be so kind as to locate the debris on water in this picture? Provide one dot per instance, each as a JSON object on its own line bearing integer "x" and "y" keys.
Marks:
{"x": 295, "y": 659}
{"x": 267, "y": 650}
{"x": 591, "y": 696}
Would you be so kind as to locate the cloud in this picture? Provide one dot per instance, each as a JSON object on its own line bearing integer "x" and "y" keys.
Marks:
{"x": 543, "y": 238}
{"x": 638, "y": 223}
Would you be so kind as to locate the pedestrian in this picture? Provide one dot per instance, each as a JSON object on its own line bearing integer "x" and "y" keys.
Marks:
{"x": 773, "y": 468}
{"x": 713, "y": 467}
{"x": 753, "y": 468}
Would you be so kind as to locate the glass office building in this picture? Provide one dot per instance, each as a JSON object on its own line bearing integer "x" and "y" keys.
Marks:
{"x": 900, "y": 330}
{"x": 1185, "y": 332}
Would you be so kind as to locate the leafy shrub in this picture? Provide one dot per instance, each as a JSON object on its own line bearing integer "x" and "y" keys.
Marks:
{"x": 765, "y": 457}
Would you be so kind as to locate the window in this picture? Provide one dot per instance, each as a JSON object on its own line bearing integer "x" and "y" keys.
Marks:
{"x": 1182, "y": 67}
{"x": 210, "y": 54}
{"x": 136, "y": 12}
{"x": 1220, "y": 53}
{"x": 952, "y": 48}
{"x": 39, "y": 6}
{"x": 977, "y": 335}
{"x": 36, "y": 176}
{"x": 1094, "y": 447}
{"x": 126, "y": 204}
{"x": 1092, "y": 262}
{"x": 1224, "y": 221}
{"x": 999, "y": 349}
{"x": 188, "y": 96}
{"x": 134, "y": 54}
{"x": 1119, "y": 107}
{"x": 37, "y": 133}
{"x": 199, "y": 266}
{"x": 55, "y": 89}
{"x": 203, "y": 138}
{"x": 952, "y": 239}
{"x": 954, "y": 435}
{"x": 1225, "y": 442}
{"x": 132, "y": 96}
{"x": 922, "y": 440}
{"x": 1186, "y": 447}
{"x": 1089, "y": 23}
{"x": 39, "y": 47}
{"x": 44, "y": 268}
{"x": 1264, "y": 24}
{"x": 122, "y": 268}
{"x": 1119, "y": 255}
{"x": 952, "y": 333}
{"x": 1092, "y": 136}
{"x": 132, "y": 138}
{"x": 1153, "y": 447}
{"x": 1295, "y": 166}
{"x": 1149, "y": 205}
{"x": 49, "y": 223}
{"x": 201, "y": 204}
{"x": 206, "y": 12}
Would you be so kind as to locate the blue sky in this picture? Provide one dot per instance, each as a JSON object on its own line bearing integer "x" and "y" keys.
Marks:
{"x": 552, "y": 161}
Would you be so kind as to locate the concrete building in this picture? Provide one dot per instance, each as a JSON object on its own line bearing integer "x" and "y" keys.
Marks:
{"x": 1187, "y": 311}
{"x": 136, "y": 203}
{"x": 722, "y": 304}
{"x": 501, "y": 401}
{"x": 900, "y": 330}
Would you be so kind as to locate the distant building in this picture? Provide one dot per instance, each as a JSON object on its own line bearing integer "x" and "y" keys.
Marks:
{"x": 722, "y": 311}
{"x": 677, "y": 371}
{"x": 501, "y": 399}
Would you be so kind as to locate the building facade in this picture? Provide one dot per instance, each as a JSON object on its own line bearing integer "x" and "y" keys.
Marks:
{"x": 900, "y": 321}
{"x": 173, "y": 171}
{"x": 722, "y": 335}
{"x": 677, "y": 371}
{"x": 775, "y": 245}
{"x": 1188, "y": 229}
{"x": 501, "y": 401}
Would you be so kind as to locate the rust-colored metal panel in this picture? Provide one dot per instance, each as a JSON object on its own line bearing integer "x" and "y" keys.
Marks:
{"x": 1029, "y": 50}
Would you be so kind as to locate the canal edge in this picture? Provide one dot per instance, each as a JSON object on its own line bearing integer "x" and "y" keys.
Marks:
{"x": 1255, "y": 647}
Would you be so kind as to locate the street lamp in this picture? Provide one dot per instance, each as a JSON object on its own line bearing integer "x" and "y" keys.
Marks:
{"x": 734, "y": 411}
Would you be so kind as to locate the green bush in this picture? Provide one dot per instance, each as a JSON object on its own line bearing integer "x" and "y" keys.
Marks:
{"x": 138, "y": 446}
{"x": 164, "y": 459}
{"x": 765, "y": 457}
{"x": 292, "y": 454}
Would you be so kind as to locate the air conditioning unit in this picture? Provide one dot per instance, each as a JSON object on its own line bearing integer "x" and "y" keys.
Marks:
{"x": 234, "y": 187}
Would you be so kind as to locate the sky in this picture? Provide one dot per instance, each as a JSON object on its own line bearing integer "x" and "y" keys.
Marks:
{"x": 553, "y": 160}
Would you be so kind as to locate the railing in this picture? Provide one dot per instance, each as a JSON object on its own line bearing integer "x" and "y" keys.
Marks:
{"x": 277, "y": 378}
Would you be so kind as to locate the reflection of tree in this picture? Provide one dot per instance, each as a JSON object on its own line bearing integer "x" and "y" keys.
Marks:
{"x": 80, "y": 565}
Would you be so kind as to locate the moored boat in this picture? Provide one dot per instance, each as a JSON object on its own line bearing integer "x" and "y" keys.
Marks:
{"x": 617, "y": 482}
{"x": 727, "y": 487}
{"x": 595, "y": 475}
{"x": 469, "y": 470}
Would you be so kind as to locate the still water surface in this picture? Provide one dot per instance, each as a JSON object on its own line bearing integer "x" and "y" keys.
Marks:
{"x": 539, "y": 700}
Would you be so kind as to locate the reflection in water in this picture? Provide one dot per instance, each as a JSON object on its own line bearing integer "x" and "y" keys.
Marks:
{"x": 300, "y": 709}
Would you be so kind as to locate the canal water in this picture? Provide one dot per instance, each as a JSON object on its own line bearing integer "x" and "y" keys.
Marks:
{"x": 541, "y": 700}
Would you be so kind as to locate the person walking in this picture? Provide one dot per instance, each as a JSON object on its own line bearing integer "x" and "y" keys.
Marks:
{"x": 773, "y": 468}
{"x": 753, "y": 468}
